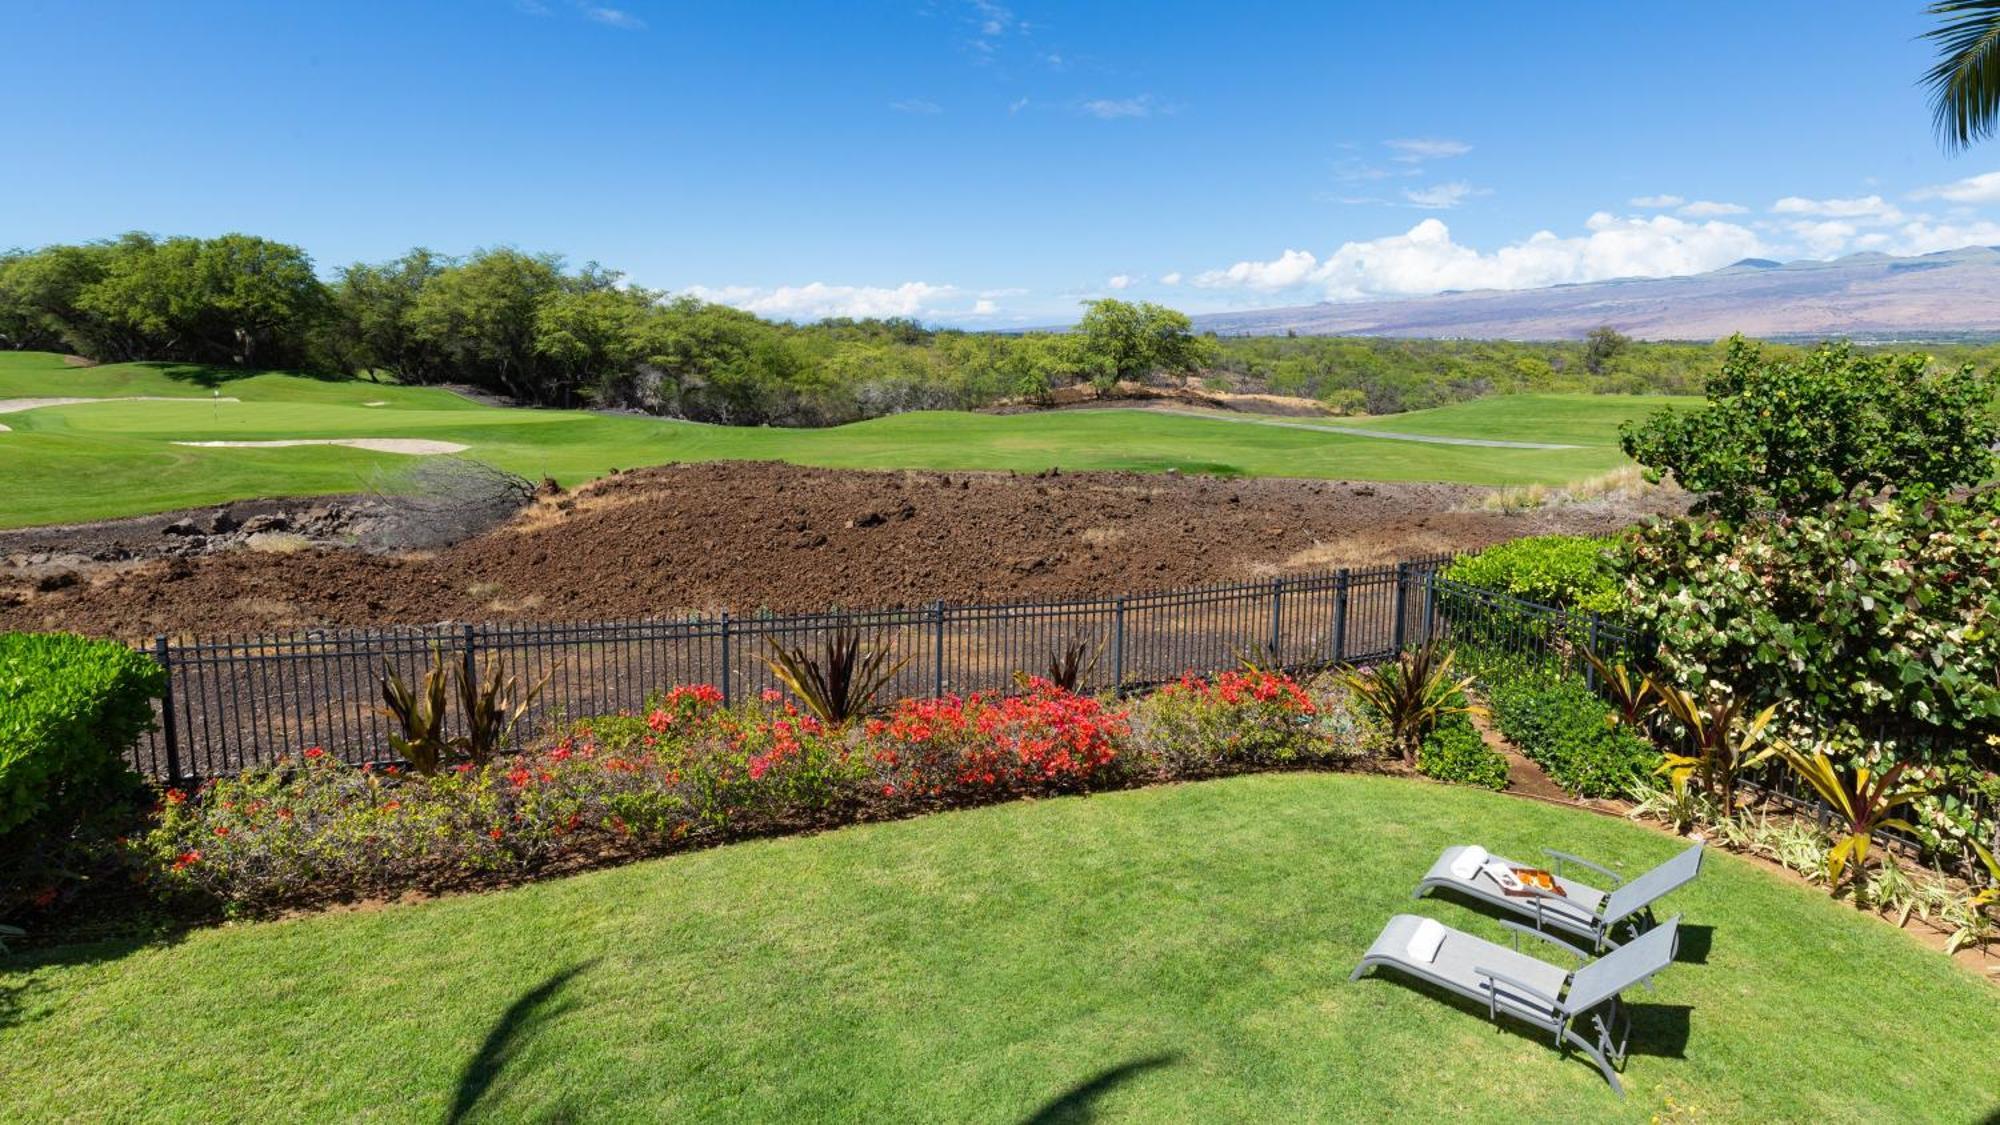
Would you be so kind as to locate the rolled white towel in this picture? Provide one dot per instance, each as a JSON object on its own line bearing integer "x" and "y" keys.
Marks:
{"x": 1424, "y": 943}
{"x": 1468, "y": 861}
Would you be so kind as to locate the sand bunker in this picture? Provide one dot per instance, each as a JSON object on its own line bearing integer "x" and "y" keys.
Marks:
{"x": 415, "y": 447}
{"x": 16, "y": 405}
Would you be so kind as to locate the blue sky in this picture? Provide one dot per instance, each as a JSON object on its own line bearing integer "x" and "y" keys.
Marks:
{"x": 993, "y": 165}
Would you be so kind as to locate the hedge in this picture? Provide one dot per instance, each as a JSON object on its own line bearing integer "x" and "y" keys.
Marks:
{"x": 72, "y": 707}
{"x": 1568, "y": 571}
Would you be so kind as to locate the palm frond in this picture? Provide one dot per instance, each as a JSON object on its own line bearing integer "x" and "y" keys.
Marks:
{"x": 1965, "y": 83}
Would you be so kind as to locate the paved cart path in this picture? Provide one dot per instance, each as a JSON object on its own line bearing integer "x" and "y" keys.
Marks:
{"x": 1351, "y": 431}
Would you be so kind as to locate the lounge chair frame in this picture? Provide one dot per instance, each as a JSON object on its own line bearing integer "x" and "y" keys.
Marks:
{"x": 1585, "y": 1011}
{"x": 1600, "y": 917}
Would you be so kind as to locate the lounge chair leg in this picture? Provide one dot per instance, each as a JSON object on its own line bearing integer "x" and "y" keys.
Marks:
{"x": 1597, "y": 1056}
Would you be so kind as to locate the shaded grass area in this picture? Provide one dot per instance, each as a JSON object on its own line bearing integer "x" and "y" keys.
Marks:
{"x": 1169, "y": 954}
{"x": 101, "y": 460}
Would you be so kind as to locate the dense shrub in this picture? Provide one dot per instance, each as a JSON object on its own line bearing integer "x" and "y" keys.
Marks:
{"x": 1569, "y": 571}
{"x": 687, "y": 769}
{"x": 1562, "y": 726}
{"x": 1857, "y": 619}
{"x": 1792, "y": 434}
{"x": 1454, "y": 751}
{"x": 73, "y": 707}
{"x": 1243, "y": 720}
{"x": 69, "y": 710}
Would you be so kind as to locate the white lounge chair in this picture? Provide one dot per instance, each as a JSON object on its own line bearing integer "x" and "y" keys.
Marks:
{"x": 1529, "y": 989}
{"x": 1582, "y": 910}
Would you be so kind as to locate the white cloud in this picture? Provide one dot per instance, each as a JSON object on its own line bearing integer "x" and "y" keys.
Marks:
{"x": 1293, "y": 267}
{"x": 1120, "y": 281}
{"x": 921, "y": 106}
{"x": 1656, "y": 201}
{"x": 1983, "y": 188}
{"x": 1016, "y": 106}
{"x": 984, "y": 307}
{"x": 1426, "y": 260}
{"x": 1111, "y": 109}
{"x": 1923, "y": 236}
{"x": 1442, "y": 196}
{"x": 1822, "y": 238}
{"x": 1173, "y": 278}
{"x": 1869, "y": 207}
{"x": 1709, "y": 209}
{"x": 613, "y": 17}
{"x": 1411, "y": 150}
{"x": 811, "y": 302}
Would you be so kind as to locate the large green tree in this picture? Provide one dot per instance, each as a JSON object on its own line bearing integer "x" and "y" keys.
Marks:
{"x": 1119, "y": 340}
{"x": 1792, "y": 434}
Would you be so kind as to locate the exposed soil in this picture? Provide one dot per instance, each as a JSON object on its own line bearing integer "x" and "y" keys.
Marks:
{"x": 746, "y": 536}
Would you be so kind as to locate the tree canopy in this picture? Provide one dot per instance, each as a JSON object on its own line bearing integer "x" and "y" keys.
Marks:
{"x": 1791, "y": 434}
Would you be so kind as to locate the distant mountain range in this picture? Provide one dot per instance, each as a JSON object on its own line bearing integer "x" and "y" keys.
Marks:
{"x": 1954, "y": 293}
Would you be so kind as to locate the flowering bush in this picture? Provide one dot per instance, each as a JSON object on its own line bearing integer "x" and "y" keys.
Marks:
{"x": 1048, "y": 740}
{"x": 1242, "y": 720}
{"x": 685, "y": 769}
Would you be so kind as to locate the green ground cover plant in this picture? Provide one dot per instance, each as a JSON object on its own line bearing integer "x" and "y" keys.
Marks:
{"x": 1454, "y": 751}
{"x": 1560, "y": 724}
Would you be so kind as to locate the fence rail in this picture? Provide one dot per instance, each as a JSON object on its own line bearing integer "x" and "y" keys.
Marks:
{"x": 238, "y": 702}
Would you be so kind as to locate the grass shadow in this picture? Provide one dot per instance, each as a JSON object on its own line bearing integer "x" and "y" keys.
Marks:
{"x": 515, "y": 1027}
{"x": 20, "y": 973}
{"x": 1078, "y": 1104}
{"x": 1658, "y": 1030}
{"x": 207, "y": 375}
{"x": 1695, "y": 942}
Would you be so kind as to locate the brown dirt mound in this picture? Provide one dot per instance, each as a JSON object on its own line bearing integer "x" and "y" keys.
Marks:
{"x": 746, "y": 536}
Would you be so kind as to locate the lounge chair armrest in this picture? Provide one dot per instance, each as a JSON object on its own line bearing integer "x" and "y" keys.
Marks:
{"x": 1564, "y": 857}
{"x": 1524, "y": 986}
{"x": 1559, "y": 943}
{"x": 1574, "y": 911}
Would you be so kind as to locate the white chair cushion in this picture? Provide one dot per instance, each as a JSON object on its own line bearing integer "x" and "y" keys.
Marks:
{"x": 1468, "y": 862}
{"x": 1424, "y": 942}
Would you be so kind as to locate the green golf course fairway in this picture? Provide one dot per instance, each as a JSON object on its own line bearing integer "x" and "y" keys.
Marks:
{"x": 100, "y": 460}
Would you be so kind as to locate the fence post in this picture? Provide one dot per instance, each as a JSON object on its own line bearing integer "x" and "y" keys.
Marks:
{"x": 937, "y": 646}
{"x": 1430, "y": 604}
{"x": 172, "y": 736}
{"x": 725, "y": 658}
{"x": 471, "y": 675}
{"x": 1401, "y": 628}
{"x": 1589, "y": 669}
{"x": 1340, "y": 617}
{"x": 1277, "y": 620}
{"x": 1118, "y": 643}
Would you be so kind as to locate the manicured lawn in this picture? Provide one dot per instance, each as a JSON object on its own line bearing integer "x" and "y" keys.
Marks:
{"x": 109, "y": 459}
{"x": 1173, "y": 954}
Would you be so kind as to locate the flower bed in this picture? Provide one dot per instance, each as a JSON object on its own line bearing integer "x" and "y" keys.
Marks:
{"x": 687, "y": 770}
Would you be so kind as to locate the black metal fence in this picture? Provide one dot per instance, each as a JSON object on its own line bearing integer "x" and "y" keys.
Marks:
{"x": 237, "y": 702}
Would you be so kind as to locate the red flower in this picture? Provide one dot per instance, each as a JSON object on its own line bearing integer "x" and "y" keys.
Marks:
{"x": 316, "y": 752}
{"x": 221, "y": 830}
{"x": 495, "y": 833}
{"x": 187, "y": 860}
